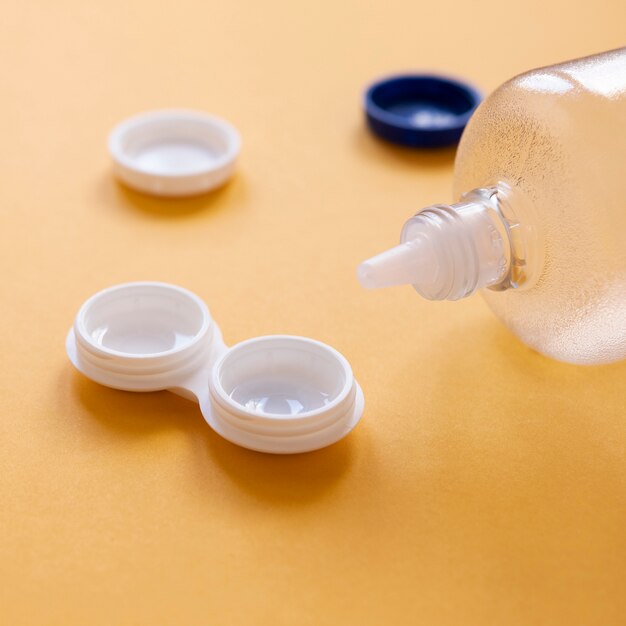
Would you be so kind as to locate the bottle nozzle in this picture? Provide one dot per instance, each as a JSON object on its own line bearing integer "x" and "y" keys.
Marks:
{"x": 447, "y": 252}
{"x": 409, "y": 263}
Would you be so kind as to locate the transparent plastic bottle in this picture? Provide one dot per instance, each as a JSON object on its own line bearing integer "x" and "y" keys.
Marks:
{"x": 540, "y": 226}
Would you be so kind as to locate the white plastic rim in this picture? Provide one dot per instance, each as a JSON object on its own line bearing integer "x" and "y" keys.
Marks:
{"x": 141, "y": 336}
{"x": 174, "y": 152}
{"x": 283, "y": 394}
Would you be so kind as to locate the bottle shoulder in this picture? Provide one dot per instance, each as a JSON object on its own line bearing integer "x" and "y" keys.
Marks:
{"x": 599, "y": 77}
{"x": 560, "y": 120}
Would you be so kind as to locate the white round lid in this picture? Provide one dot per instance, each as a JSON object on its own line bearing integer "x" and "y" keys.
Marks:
{"x": 174, "y": 152}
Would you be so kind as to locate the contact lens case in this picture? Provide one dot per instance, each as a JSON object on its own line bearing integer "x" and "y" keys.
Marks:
{"x": 280, "y": 394}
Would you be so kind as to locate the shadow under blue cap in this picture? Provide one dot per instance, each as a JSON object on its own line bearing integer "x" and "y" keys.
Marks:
{"x": 420, "y": 110}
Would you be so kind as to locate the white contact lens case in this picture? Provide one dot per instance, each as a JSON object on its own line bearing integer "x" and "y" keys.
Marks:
{"x": 174, "y": 152}
{"x": 280, "y": 393}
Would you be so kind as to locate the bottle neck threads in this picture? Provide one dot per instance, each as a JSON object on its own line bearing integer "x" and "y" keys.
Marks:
{"x": 447, "y": 252}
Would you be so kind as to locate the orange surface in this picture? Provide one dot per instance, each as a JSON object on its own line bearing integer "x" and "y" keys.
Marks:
{"x": 485, "y": 484}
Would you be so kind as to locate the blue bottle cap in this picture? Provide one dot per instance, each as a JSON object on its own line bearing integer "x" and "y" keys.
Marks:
{"x": 420, "y": 110}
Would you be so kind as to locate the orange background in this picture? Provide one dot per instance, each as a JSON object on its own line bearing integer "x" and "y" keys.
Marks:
{"x": 485, "y": 484}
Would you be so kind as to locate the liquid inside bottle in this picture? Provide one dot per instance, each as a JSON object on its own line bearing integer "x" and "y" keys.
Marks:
{"x": 540, "y": 225}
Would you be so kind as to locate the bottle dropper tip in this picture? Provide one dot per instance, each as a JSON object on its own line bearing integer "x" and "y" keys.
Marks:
{"x": 366, "y": 275}
{"x": 410, "y": 263}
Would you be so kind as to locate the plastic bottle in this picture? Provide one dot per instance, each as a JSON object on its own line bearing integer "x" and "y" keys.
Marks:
{"x": 540, "y": 226}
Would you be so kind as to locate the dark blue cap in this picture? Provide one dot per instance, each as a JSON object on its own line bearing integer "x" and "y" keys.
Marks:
{"x": 420, "y": 110}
